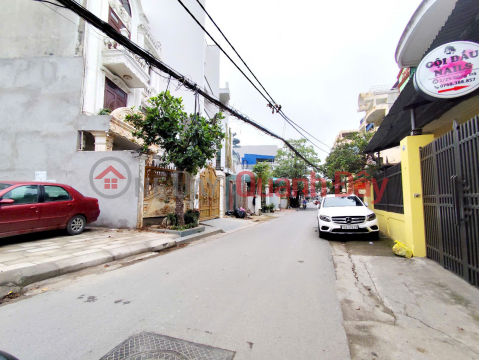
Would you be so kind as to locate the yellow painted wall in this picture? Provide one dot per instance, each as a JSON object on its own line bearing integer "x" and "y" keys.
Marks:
{"x": 468, "y": 110}
{"x": 390, "y": 224}
{"x": 414, "y": 237}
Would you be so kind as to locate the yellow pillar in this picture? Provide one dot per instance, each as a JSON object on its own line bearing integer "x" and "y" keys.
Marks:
{"x": 412, "y": 192}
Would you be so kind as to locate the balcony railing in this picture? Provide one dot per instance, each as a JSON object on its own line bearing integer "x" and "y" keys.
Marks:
{"x": 125, "y": 64}
{"x": 382, "y": 89}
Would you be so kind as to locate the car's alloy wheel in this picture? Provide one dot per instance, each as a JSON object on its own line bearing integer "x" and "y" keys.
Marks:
{"x": 76, "y": 225}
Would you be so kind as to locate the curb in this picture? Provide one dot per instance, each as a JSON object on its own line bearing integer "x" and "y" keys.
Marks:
{"x": 14, "y": 280}
{"x": 194, "y": 237}
{"x": 182, "y": 233}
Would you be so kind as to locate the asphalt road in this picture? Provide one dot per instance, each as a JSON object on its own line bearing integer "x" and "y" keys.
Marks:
{"x": 265, "y": 292}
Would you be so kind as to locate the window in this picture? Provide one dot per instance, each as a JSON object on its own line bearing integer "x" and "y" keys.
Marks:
{"x": 127, "y": 6}
{"x": 342, "y": 201}
{"x": 4, "y": 186}
{"x": 115, "y": 21}
{"x": 23, "y": 195}
{"x": 114, "y": 96}
{"x": 55, "y": 193}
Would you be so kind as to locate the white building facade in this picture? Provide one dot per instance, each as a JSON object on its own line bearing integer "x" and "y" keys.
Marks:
{"x": 376, "y": 104}
{"x": 59, "y": 76}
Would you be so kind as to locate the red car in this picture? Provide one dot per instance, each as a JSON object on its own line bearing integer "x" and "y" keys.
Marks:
{"x": 27, "y": 207}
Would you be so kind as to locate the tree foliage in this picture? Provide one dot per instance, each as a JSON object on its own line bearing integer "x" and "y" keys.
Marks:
{"x": 189, "y": 141}
{"x": 290, "y": 166}
{"x": 262, "y": 170}
{"x": 347, "y": 155}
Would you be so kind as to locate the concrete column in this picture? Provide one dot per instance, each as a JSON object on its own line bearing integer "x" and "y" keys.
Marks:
{"x": 222, "y": 196}
{"x": 141, "y": 39}
{"x": 103, "y": 141}
{"x": 415, "y": 237}
{"x": 245, "y": 198}
{"x": 257, "y": 205}
{"x": 141, "y": 187}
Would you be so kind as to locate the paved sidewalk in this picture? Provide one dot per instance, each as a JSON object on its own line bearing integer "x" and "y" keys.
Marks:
{"x": 59, "y": 246}
{"x": 396, "y": 308}
{"x": 30, "y": 258}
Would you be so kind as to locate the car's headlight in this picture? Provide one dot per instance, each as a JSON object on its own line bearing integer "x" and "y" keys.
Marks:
{"x": 371, "y": 217}
{"x": 324, "y": 218}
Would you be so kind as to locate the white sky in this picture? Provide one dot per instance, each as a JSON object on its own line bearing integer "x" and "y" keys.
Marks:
{"x": 313, "y": 56}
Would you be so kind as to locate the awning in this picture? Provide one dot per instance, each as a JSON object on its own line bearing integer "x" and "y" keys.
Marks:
{"x": 462, "y": 25}
{"x": 251, "y": 159}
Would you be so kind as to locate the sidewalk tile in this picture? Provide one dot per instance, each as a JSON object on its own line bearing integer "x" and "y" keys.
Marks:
{"x": 43, "y": 248}
{"x": 54, "y": 258}
{"x": 11, "y": 251}
{"x": 112, "y": 246}
{"x": 17, "y": 266}
{"x": 74, "y": 246}
{"x": 79, "y": 240}
{"x": 9, "y": 257}
{"x": 32, "y": 254}
{"x": 140, "y": 241}
{"x": 29, "y": 244}
{"x": 86, "y": 252}
{"x": 43, "y": 242}
{"x": 22, "y": 260}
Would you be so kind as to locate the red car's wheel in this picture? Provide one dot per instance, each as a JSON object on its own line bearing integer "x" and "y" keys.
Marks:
{"x": 76, "y": 225}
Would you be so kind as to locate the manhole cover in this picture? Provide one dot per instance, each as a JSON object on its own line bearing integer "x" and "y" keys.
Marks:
{"x": 150, "y": 346}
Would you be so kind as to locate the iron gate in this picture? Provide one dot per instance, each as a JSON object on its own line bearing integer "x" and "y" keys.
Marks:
{"x": 450, "y": 184}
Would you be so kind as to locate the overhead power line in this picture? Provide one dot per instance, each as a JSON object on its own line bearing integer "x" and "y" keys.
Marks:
{"x": 224, "y": 36}
{"x": 127, "y": 43}
{"x": 224, "y": 52}
{"x": 271, "y": 100}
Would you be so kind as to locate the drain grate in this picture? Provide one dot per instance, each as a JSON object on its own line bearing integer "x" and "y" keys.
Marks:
{"x": 150, "y": 346}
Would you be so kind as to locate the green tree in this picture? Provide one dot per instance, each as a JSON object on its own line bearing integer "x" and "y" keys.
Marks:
{"x": 189, "y": 141}
{"x": 347, "y": 156}
{"x": 262, "y": 170}
{"x": 291, "y": 166}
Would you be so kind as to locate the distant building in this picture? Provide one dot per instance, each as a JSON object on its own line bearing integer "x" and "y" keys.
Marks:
{"x": 342, "y": 134}
{"x": 250, "y": 155}
{"x": 376, "y": 103}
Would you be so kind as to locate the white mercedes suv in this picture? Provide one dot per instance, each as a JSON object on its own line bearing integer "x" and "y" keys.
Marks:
{"x": 346, "y": 214}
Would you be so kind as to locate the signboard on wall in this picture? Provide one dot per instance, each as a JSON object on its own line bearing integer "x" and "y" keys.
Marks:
{"x": 449, "y": 71}
{"x": 403, "y": 78}
{"x": 40, "y": 176}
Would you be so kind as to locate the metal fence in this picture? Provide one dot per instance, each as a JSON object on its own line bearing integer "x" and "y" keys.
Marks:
{"x": 392, "y": 197}
{"x": 450, "y": 165}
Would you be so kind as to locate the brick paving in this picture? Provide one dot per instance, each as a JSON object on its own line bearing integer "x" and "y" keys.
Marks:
{"x": 33, "y": 249}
